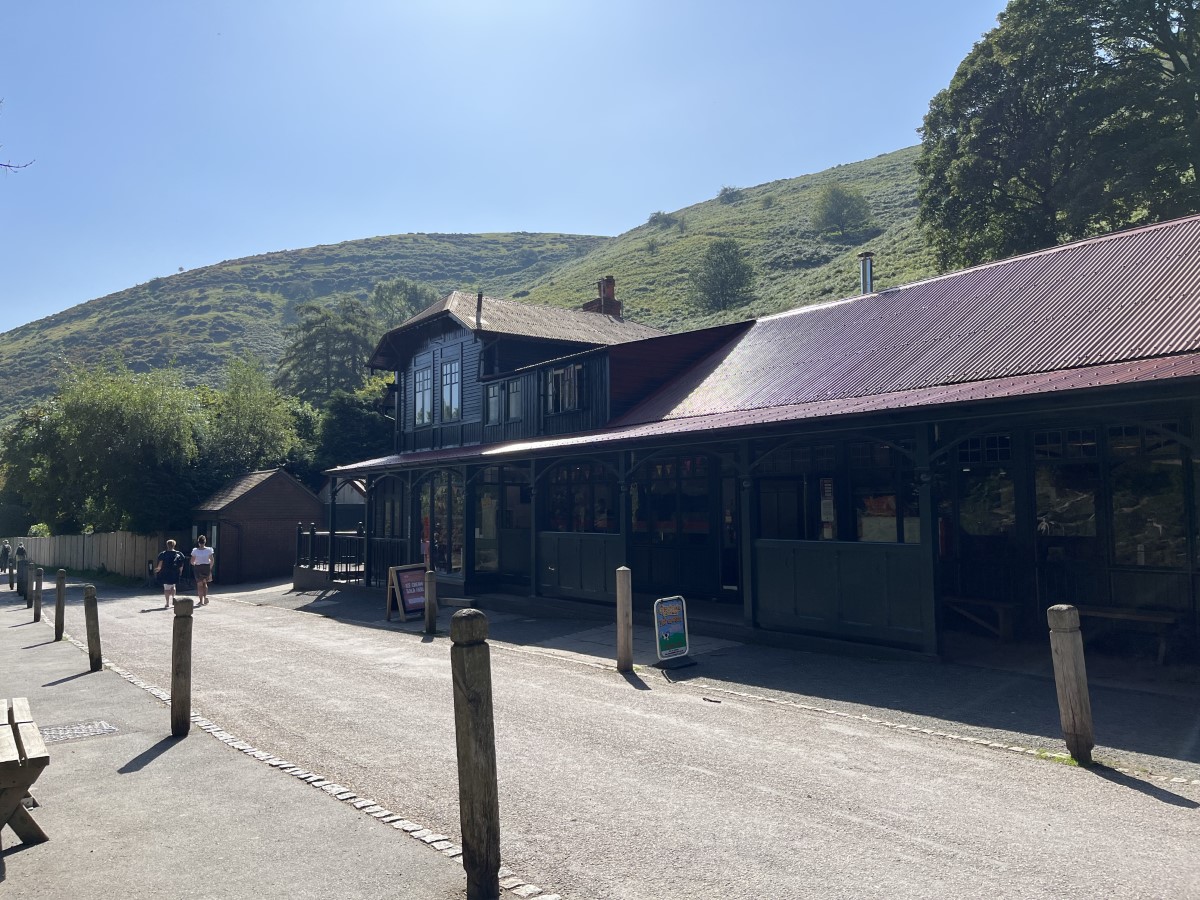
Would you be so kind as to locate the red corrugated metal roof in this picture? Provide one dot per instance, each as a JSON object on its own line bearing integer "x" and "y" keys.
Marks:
{"x": 1131, "y": 295}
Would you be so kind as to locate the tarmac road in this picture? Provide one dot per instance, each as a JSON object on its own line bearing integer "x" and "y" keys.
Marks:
{"x": 647, "y": 787}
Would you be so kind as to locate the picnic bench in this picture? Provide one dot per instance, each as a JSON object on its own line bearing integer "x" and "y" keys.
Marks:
{"x": 22, "y": 757}
{"x": 1160, "y": 623}
{"x": 996, "y": 616}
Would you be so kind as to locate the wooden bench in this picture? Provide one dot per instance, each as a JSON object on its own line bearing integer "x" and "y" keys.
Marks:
{"x": 1156, "y": 621}
{"x": 22, "y": 757}
{"x": 996, "y": 616}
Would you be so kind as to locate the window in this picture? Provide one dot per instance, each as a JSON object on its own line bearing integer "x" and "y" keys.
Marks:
{"x": 1149, "y": 522}
{"x": 514, "y": 400}
{"x": 423, "y": 397}
{"x": 886, "y": 501}
{"x": 563, "y": 384}
{"x": 451, "y": 391}
{"x": 493, "y": 406}
{"x": 583, "y": 498}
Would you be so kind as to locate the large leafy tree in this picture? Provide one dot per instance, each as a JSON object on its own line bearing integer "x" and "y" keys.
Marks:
{"x": 327, "y": 351}
{"x": 251, "y": 423}
{"x": 1054, "y": 128}
{"x": 841, "y": 209}
{"x": 724, "y": 277}
{"x": 353, "y": 427}
{"x": 114, "y": 449}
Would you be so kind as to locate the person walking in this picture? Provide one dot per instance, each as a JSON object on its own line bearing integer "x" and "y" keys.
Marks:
{"x": 168, "y": 570}
{"x": 202, "y": 563}
{"x": 6, "y": 556}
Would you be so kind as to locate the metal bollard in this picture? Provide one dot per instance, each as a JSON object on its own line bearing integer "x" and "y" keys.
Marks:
{"x": 60, "y": 602}
{"x": 1070, "y": 679}
{"x": 92, "y": 618}
{"x": 181, "y": 668}
{"x": 475, "y": 736}
{"x": 37, "y": 595}
{"x": 431, "y": 605}
{"x": 624, "y": 620}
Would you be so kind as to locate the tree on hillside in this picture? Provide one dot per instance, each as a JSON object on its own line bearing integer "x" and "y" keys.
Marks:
{"x": 724, "y": 278}
{"x": 327, "y": 351}
{"x": 841, "y": 209}
{"x": 396, "y": 300}
{"x": 1070, "y": 118}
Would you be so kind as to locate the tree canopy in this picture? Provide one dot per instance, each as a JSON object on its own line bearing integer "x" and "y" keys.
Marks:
{"x": 1070, "y": 118}
{"x": 724, "y": 277}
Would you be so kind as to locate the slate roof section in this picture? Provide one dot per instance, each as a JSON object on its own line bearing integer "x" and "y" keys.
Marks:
{"x": 547, "y": 323}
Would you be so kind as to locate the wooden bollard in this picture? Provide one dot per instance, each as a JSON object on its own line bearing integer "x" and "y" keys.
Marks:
{"x": 624, "y": 620}
{"x": 431, "y": 606}
{"x": 1070, "y": 678}
{"x": 92, "y": 617}
{"x": 475, "y": 735}
{"x": 37, "y": 595}
{"x": 60, "y": 602}
{"x": 181, "y": 668}
{"x": 12, "y": 577}
{"x": 23, "y": 582}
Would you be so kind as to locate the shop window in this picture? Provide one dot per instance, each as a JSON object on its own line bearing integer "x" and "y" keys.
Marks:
{"x": 1073, "y": 443}
{"x": 423, "y": 397}
{"x": 451, "y": 391}
{"x": 671, "y": 501}
{"x": 442, "y": 521}
{"x": 1149, "y": 522}
{"x": 583, "y": 498}
{"x": 885, "y": 496}
{"x": 988, "y": 448}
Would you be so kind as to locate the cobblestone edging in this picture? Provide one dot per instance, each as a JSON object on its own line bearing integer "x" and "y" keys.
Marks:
{"x": 511, "y": 884}
{"x": 948, "y": 735}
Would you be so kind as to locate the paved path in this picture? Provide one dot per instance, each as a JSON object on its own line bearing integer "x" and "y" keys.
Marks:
{"x": 722, "y": 780}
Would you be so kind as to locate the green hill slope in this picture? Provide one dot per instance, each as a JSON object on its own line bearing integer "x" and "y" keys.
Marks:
{"x": 794, "y": 264}
{"x": 198, "y": 319}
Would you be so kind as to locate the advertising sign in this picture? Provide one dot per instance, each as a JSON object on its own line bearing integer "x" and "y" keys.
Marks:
{"x": 670, "y": 627}
{"x": 406, "y": 589}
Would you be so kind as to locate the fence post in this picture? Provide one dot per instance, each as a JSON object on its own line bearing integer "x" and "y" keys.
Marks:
{"x": 475, "y": 736}
{"x": 431, "y": 603}
{"x": 181, "y": 668}
{"x": 92, "y": 618}
{"x": 1070, "y": 679}
{"x": 624, "y": 620}
{"x": 60, "y": 601}
{"x": 37, "y": 596}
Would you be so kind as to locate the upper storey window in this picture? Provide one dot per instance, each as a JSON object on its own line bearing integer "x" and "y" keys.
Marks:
{"x": 423, "y": 397}
{"x": 451, "y": 391}
{"x": 564, "y": 388}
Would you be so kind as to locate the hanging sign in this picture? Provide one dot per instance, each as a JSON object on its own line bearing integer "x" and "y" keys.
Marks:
{"x": 670, "y": 627}
{"x": 406, "y": 589}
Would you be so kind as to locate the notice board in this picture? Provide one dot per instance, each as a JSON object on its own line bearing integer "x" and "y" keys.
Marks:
{"x": 406, "y": 590}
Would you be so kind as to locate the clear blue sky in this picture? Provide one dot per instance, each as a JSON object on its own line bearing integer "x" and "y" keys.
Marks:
{"x": 168, "y": 135}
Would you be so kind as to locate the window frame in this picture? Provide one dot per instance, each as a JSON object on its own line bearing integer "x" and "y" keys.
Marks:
{"x": 423, "y": 397}
{"x": 451, "y": 382}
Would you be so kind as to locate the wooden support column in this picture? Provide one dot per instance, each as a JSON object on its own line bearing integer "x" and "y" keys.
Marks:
{"x": 534, "y": 522}
{"x": 333, "y": 485}
{"x": 747, "y": 507}
{"x": 929, "y": 542}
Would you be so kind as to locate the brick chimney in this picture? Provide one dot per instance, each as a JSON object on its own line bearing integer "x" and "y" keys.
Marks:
{"x": 607, "y": 303}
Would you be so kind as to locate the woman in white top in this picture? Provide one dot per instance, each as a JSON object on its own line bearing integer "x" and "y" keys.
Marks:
{"x": 202, "y": 558}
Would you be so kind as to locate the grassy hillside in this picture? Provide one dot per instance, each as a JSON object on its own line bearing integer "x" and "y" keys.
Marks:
{"x": 794, "y": 264}
{"x": 198, "y": 319}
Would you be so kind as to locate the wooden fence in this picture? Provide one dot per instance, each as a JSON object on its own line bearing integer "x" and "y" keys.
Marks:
{"x": 119, "y": 552}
